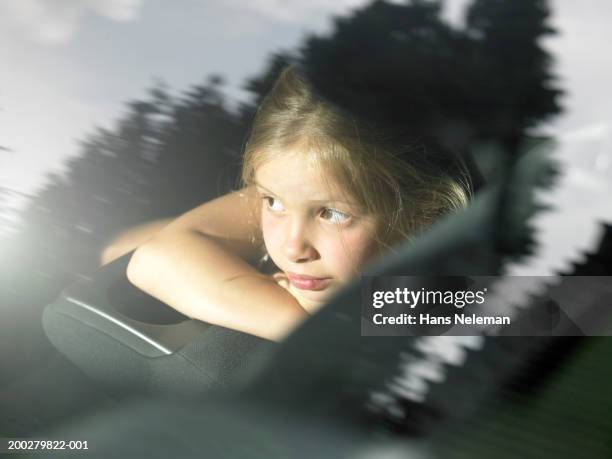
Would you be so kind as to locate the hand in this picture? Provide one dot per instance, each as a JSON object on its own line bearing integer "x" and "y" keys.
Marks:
{"x": 310, "y": 306}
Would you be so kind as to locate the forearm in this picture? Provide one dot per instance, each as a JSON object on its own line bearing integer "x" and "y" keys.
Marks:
{"x": 200, "y": 278}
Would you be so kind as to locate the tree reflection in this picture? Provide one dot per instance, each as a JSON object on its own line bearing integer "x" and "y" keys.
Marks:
{"x": 399, "y": 64}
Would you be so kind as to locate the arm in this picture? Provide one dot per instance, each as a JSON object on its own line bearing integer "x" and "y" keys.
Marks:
{"x": 198, "y": 264}
{"x": 130, "y": 239}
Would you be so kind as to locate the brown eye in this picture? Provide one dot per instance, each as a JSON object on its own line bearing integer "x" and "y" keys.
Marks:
{"x": 273, "y": 204}
{"x": 334, "y": 216}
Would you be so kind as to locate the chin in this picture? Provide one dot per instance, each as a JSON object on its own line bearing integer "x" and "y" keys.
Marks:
{"x": 318, "y": 295}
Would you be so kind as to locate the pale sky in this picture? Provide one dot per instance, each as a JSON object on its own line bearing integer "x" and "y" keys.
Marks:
{"x": 69, "y": 65}
{"x": 73, "y": 63}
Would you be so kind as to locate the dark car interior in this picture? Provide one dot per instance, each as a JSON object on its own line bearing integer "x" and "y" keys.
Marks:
{"x": 124, "y": 338}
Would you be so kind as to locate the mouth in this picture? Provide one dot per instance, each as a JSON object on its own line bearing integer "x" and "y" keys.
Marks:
{"x": 308, "y": 282}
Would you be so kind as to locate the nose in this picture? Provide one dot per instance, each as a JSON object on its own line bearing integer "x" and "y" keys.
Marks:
{"x": 298, "y": 246}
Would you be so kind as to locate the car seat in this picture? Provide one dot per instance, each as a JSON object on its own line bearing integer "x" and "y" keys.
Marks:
{"x": 125, "y": 339}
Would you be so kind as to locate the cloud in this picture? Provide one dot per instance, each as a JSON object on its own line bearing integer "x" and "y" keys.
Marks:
{"x": 117, "y": 10}
{"x": 313, "y": 15}
{"x": 293, "y": 11}
{"x": 580, "y": 201}
{"x": 299, "y": 11}
{"x": 55, "y": 22}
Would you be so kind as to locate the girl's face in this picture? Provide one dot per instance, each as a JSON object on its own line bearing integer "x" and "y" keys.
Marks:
{"x": 311, "y": 232}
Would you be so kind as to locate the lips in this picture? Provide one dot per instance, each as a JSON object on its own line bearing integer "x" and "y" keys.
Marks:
{"x": 304, "y": 282}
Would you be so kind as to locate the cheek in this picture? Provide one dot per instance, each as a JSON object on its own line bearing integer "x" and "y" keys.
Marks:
{"x": 271, "y": 232}
{"x": 350, "y": 252}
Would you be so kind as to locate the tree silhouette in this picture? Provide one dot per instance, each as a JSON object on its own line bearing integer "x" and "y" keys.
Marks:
{"x": 517, "y": 87}
{"x": 164, "y": 157}
{"x": 402, "y": 67}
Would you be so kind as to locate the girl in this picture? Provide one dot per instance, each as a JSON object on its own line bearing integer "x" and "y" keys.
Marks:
{"x": 321, "y": 196}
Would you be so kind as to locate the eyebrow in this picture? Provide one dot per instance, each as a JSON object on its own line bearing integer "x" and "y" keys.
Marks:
{"x": 311, "y": 200}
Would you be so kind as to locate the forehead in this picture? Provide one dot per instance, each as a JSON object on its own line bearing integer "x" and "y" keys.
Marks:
{"x": 294, "y": 175}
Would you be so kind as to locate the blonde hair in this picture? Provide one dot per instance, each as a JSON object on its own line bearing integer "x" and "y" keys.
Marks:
{"x": 378, "y": 174}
